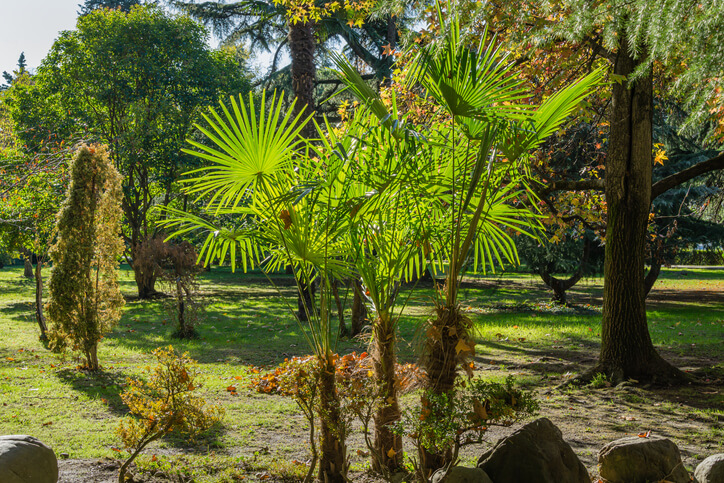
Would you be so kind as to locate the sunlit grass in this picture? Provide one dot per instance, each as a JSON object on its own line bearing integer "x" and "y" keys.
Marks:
{"x": 249, "y": 323}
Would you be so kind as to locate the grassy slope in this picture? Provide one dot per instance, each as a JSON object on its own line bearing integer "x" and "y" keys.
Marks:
{"x": 248, "y": 323}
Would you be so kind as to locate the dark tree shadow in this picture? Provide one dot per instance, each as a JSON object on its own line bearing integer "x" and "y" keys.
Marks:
{"x": 106, "y": 385}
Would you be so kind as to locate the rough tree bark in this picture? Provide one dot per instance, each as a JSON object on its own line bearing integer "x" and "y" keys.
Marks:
{"x": 304, "y": 73}
{"x": 626, "y": 347}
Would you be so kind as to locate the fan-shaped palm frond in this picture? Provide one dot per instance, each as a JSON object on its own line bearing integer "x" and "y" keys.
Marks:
{"x": 249, "y": 149}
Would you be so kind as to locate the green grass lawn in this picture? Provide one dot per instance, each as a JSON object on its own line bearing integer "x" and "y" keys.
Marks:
{"x": 248, "y": 323}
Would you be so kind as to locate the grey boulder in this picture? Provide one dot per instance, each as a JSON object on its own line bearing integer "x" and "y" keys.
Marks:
{"x": 461, "y": 474}
{"x": 711, "y": 470}
{"x": 640, "y": 460}
{"x": 24, "y": 459}
{"x": 536, "y": 453}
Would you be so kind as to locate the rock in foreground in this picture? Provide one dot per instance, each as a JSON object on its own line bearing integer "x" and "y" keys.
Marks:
{"x": 536, "y": 453}
{"x": 640, "y": 460}
{"x": 24, "y": 459}
{"x": 461, "y": 474}
{"x": 711, "y": 470}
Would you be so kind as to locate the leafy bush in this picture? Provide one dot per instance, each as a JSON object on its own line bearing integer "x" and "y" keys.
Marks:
{"x": 359, "y": 392}
{"x": 85, "y": 300}
{"x": 444, "y": 423}
{"x": 166, "y": 402}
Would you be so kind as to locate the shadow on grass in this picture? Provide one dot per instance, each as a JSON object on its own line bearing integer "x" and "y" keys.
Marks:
{"x": 546, "y": 360}
{"x": 105, "y": 385}
{"x": 200, "y": 444}
{"x": 23, "y": 311}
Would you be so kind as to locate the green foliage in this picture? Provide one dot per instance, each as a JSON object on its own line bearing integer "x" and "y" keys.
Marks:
{"x": 151, "y": 72}
{"x": 682, "y": 37}
{"x": 166, "y": 402}
{"x": 360, "y": 394}
{"x": 557, "y": 257}
{"x": 122, "y": 5}
{"x": 85, "y": 301}
{"x": 599, "y": 380}
{"x": 444, "y": 423}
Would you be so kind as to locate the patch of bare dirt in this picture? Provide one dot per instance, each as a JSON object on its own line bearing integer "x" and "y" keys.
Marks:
{"x": 98, "y": 471}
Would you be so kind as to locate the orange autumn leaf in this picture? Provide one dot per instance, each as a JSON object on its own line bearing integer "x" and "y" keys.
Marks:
{"x": 286, "y": 218}
{"x": 463, "y": 346}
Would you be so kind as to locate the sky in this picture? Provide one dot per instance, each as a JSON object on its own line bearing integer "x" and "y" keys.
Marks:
{"x": 31, "y": 26}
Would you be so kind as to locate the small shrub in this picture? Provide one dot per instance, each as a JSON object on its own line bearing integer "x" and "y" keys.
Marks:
{"x": 178, "y": 270}
{"x": 444, "y": 423}
{"x": 599, "y": 380}
{"x": 359, "y": 393}
{"x": 166, "y": 402}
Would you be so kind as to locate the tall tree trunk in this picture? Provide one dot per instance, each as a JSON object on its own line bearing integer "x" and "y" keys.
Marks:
{"x": 28, "y": 269}
{"x": 39, "y": 316}
{"x": 359, "y": 309}
{"x": 304, "y": 74}
{"x": 388, "y": 445}
{"x": 333, "y": 461}
{"x": 626, "y": 347}
{"x": 92, "y": 357}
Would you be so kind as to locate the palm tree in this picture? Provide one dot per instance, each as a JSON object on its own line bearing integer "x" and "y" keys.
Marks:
{"x": 386, "y": 247}
{"x": 480, "y": 159}
{"x": 272, "y": 26}
{"x": 285, "y": 195}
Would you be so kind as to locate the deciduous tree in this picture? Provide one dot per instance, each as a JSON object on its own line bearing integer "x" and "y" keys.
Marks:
{"x": 673, "y": 44}
{"x": 151, "y": 73}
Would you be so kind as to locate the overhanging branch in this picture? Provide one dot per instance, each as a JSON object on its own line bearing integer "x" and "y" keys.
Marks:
{"x": 663, "y": 185}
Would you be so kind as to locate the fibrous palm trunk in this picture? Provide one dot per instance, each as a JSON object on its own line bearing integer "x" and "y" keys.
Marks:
{"x": 387, "y": 444}
{"x": 333, "y": 460}
{"x": 447, "y": 345}
{"x": 304, "y": 73}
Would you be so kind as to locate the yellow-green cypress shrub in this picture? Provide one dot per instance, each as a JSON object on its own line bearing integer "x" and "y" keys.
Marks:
{"x": 85, "y": 301}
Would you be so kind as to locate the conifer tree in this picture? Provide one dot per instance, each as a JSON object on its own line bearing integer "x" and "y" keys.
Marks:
{"x": 85, "y": 301}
